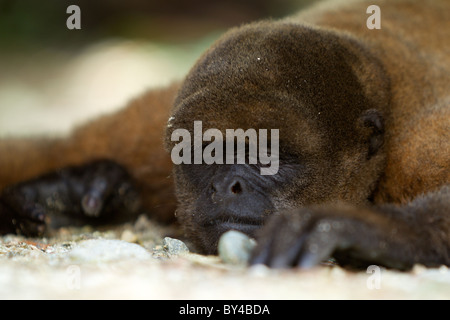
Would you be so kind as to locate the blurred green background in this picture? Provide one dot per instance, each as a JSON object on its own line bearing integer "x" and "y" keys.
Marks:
{"x": 52, "y": 78}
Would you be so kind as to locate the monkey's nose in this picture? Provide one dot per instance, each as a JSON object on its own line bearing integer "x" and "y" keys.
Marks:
{"x": 229, "y": 187}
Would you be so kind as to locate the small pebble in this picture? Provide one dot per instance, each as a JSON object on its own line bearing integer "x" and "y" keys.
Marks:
{"x": 443, "y": 269}
{"x": 128, "y": 236}
{"x": 174, "y": 247}
{"x": 418, "y": 269}
{"x": 235, "y": 247}
{"x": 101, "y": 250}
{"x": 259, "y": 271}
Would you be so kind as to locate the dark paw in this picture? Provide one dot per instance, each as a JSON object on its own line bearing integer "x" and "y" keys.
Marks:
{"x": 306, "y": 237}
{"x": 92, "y": 193}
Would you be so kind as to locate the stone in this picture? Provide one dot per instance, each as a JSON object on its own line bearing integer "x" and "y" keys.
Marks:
{"x": 101, "y": 250}
{"x": 235, "y": 247}
{"x": 174, "y": 247}
{"x": 129, "y": 236}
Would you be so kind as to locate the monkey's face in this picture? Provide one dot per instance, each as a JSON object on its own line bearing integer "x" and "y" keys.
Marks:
{"x": 283, "y": 77}
{"x": 214, "y": 198}
{"x": 219, "y": 197}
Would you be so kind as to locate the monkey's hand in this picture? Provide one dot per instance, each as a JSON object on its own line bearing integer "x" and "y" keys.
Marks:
{"x": 358, "y": 237}
{"x": 91, "y": 193}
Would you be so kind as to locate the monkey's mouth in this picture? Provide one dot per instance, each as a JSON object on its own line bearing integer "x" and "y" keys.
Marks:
{"x": 246, "y": 225}
{"x": 249, "y": 229}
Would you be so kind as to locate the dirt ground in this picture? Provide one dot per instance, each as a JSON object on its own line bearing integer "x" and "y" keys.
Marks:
{"x": 131, "y": 262}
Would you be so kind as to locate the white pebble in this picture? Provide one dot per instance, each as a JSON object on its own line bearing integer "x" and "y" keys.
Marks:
{"x": 235, "y": 247}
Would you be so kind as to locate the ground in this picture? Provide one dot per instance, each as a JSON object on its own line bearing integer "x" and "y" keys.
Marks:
{"x": 130, "y": 262}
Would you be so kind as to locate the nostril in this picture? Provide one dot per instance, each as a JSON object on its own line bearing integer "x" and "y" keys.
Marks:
{"x": 236, "y": 188}
{"x": 228, "y": 188}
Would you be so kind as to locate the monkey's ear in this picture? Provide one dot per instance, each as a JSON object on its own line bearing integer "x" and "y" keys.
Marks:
{"x": 372, "y": 123}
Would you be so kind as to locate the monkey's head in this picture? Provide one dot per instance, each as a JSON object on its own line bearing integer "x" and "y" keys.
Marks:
{"x": 324, "y": 93}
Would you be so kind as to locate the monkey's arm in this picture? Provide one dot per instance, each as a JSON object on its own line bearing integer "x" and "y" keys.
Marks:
{"x": 391, "y": 236}
{"x": 131, "y": 138}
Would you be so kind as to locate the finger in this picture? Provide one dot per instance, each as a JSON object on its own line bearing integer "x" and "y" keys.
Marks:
{"x": 92, "y": 201}
{"x": 92, "y": 205}
{"x": 309, "y": 259}
{"x": 261, "y": 253}
{"x": 319, "y": 246}
{"x": 287, "y": 256}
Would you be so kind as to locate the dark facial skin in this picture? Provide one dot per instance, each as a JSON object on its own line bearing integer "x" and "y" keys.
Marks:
{"x": 230, "y": 197}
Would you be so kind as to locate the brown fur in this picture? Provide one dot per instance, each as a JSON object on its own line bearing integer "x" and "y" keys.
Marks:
{"x": 413, "y": 46}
